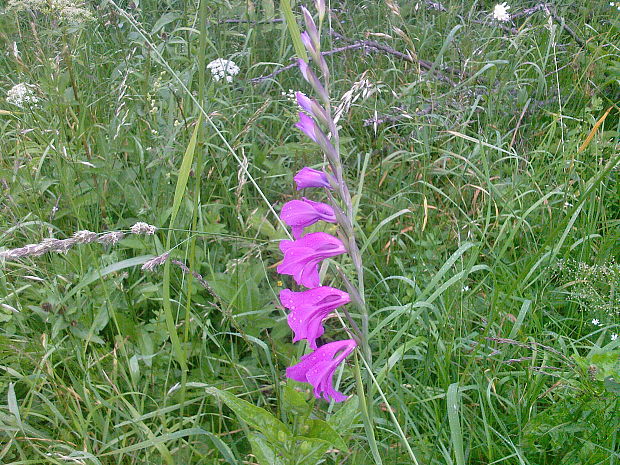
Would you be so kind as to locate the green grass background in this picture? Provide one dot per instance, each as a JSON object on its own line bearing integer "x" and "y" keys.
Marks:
{"x": 482, "y": 345}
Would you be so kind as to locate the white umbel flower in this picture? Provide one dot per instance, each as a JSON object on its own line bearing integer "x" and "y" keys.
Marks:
{"x": 71, "y": 11}
{"x": 22, "y": 95}
{"x": 223, "y": 69}
{"x": 500, "y": 12}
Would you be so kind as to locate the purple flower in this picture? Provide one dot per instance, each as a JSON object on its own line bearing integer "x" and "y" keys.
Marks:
{"x": 311, "y": 78}
{"x": 308, "y": 43}
{"x": 307, "y": 126}
{"x": 309, "y": 309}
{"x": 312, "y": 107}
{"x": 318, "y": 367}
{"x": 304, "y": 102}
{"x": 308, "y": 177}
{"x": 302, "y": 256}
{"x": 299, "y": 214}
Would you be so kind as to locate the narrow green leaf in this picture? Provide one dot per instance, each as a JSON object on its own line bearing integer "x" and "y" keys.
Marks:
{"x": 453, "y": 400}
{"x": 12, "y": 401}
{"x": 293, "y": 29}
{"x": 520, "y": 318}
{"x": 397, "y": 355}
{"x": 179, "y": 191}
{"x": 368, "y": 426}
{"x": 93, "y": 276}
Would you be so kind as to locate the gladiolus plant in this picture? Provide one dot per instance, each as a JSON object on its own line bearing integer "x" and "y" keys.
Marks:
{"x": 309, "y": 308}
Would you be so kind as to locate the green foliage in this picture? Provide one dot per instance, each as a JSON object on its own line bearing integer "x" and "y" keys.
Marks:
{"x": 303, "y": 442}
{"x": 490, "y": 233}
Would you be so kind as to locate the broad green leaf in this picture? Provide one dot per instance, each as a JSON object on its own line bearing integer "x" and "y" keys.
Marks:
{"x": 320, "y": 429}
{"x": 163, "y": 21}
{"x": 262, "y": 450}
{"x": 259, "y": 418}
{"x": 346, "y": 415}
{"x": 294, "y": 402}
{"x": 310, "y": 451}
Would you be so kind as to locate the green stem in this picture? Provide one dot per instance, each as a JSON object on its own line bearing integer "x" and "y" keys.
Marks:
{"x": 366, "y": 418}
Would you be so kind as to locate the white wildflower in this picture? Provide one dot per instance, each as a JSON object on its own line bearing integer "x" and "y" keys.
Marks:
{"x": 595, "y": 322}
{"x": 290, "y": 95}
{"x": 223, "y": 69}
{"x": 22, "y": 95}
{"x": 500, "y": 12}
{"x": 143, "y": 228}
{"x": 614, "y": 337}
{"x": 70, "y": 11}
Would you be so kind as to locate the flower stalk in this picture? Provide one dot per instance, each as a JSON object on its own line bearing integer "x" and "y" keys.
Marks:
{"x": 303, "y": 255}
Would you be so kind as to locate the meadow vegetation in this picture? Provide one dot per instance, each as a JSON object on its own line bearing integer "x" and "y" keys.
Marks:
{"x": 484, "y": 162}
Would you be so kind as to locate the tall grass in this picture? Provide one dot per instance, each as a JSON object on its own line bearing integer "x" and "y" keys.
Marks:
{"x": 471, "y": 193}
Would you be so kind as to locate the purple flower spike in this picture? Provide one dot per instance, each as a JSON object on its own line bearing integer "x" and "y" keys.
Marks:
{"x": 312, "y": 107}
{"x": 302, "y": 256}
{"x": 308, "y": 177}
{"x": 311, "y": 78}
{"x": 299, "y": 214}
{"x": 307, "y": 126}
{"x": 304, "y": 102}
{"x": 320, "y": 6}
{"x": 309, "y": 309}
{"x": 307, "y": 41}
{"x": 318, "y": 367}
{"x": 305, "y": 69}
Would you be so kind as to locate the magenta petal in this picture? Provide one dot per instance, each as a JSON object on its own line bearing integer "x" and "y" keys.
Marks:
{"x": 302, "y": 213}
{"x": 302, "y": 256}
{"x": 305, "y": 69}
{"x": 302, "y": 264}
{"x": 309, "y": 309}
{"x": 318, "y": 367}
{"x": 305, "y": 39}
{"x": 304, "y": 102}
{"x": 308, "y": 177}
{"x": 307, "y": 126}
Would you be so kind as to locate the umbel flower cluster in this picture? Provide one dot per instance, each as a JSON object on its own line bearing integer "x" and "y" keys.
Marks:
{"x": 22, "y": 95}
{"x": 223, "y": 69}
{"x": 70, "y": 11}
{"x": 303, "y": 255}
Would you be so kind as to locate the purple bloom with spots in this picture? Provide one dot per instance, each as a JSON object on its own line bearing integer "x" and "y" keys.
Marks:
{"x": 309, "y": 177}
{"x": 302, "y": 256}
{"x": 299, "y": 214}
{"x": 309, "y": 309}
{"x": 318, "y": 367}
